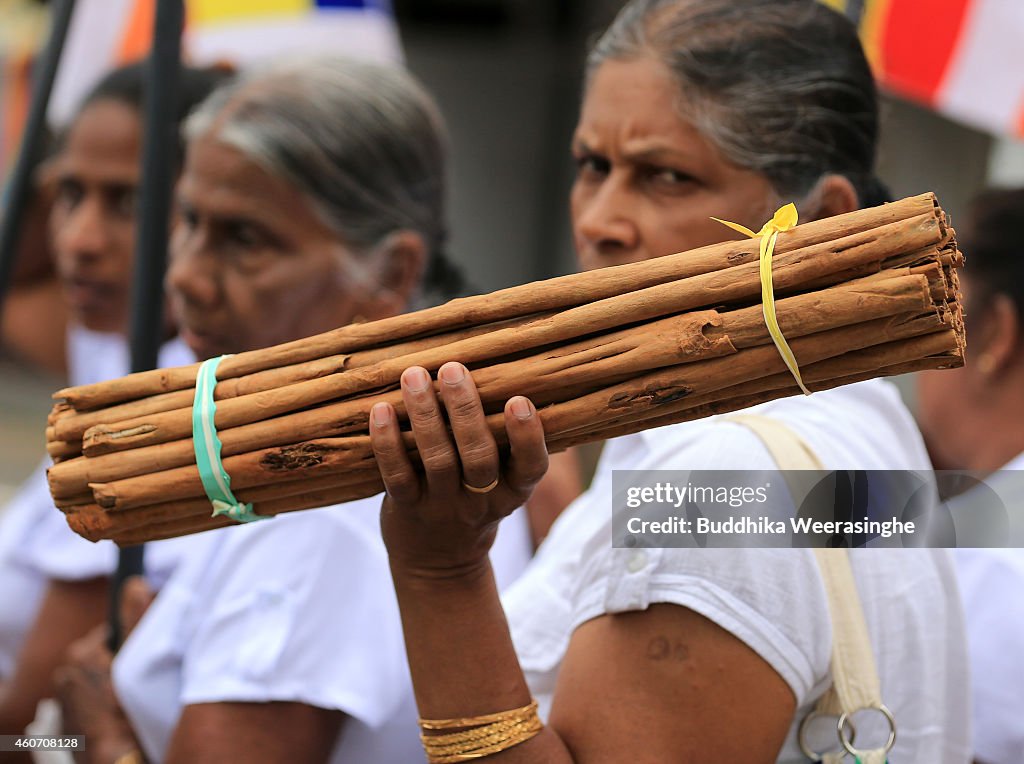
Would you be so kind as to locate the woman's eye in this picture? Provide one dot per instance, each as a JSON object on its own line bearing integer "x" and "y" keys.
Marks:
{"x": 123, "y": 202}
{"x": 69, "y": 193}
{"x": 590, "y": 166}
{"x": 188, "y": 219}
{"x": 246, "y": 236}
{"x": 251, "y": 248}
{"x": 666, "y": 176}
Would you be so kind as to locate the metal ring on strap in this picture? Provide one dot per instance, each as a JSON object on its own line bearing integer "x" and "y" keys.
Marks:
{"x": 845, "y": 719}
{"x": 801, "y": 737}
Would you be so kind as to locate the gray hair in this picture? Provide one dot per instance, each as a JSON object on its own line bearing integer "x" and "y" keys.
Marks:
{"x": 780, "y": 87}
{"x": 363, "y": 141}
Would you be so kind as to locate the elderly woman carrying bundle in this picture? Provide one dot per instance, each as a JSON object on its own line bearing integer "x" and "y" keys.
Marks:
{"x": 691, "y": 109}
{"x": 312, "y": 196}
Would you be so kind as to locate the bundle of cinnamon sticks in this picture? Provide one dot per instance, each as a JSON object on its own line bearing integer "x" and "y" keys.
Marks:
{"x": 867, "y": 294}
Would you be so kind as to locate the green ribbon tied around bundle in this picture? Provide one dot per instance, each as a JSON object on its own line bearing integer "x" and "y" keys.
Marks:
{"x": 216, "y": 481}
{"x": 783, "y": 220}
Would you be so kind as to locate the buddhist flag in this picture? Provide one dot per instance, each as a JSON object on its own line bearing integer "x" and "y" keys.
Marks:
{"x": 245, "y": 31}
{"x": 107, "y": 33}
{"x": 964, "y": 58}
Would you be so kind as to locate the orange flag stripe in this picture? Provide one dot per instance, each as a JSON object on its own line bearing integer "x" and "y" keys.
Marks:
{"x": 138, "y": 32}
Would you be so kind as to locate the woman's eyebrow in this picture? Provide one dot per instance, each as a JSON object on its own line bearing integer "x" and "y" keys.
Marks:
{"x": 656, "y": 153}
{"x": 580, "y": 145}
{"x": 119, "y": 187}
{"x": 240, "y": 209}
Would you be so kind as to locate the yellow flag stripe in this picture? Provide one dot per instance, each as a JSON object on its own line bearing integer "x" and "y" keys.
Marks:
{"x": 838, "y": 5}
{"x": 213, "y": 12}
{"x": 871, "y": 30}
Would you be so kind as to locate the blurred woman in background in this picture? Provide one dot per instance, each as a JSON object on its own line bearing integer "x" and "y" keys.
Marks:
{"x": 313, "y": 196}
{"x": 973, "y": 419}
{"x": 53, "y": 584}
{"x": 691, "y": 109}
{"x": 34, "y": 318}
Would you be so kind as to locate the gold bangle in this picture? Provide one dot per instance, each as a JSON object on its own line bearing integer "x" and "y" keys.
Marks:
{"x": 480, "y": 753}
{"x": 132, "y": 757}
{"x": 478, "y": 736}
{"x": 476, "y": 733}
{"x": 486, "y": 747}
{"x": 477, "y": 721}
{"x": 481, "y": 737}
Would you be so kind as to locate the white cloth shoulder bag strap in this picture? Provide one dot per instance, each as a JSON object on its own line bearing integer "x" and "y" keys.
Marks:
{"x": 855, "y": 684}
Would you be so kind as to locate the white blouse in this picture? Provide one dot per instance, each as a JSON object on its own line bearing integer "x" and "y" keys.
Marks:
{"x": 36, "y": 544}
{"x": 297, "y": 608}
{"x": 21, "y": 587}
{"x": 772, "y": 599}
{"x": 991, "y": 583}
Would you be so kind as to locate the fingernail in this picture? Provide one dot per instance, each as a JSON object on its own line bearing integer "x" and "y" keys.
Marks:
{"x": 381, "y": 414}
{"x": 521, "y": 408}
{"x": 416, "y": 379}
{"x": 453, "y": 373}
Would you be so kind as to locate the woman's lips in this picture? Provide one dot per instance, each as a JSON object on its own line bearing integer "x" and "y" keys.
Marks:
{"x": 89, "y": 295}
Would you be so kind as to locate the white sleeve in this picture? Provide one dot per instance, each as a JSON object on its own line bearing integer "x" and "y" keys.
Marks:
{"x": 59, "y": 553}
{"x": 21, "y": 587}
{"x": 991, "y": 581}
{"x": 742, "y": 590}
{"x": 50, "y": 547}
{"x": 771, "y": 599}
{"x": 301, "y": 608}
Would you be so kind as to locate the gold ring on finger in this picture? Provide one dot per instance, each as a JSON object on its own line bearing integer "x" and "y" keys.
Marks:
{"x": 486, "y": 489}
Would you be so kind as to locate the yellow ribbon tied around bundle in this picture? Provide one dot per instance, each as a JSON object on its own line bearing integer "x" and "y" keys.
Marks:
{"x": 783, "y": 220}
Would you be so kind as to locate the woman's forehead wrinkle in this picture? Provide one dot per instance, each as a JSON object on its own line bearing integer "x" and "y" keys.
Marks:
{"x": 221, "y": 176}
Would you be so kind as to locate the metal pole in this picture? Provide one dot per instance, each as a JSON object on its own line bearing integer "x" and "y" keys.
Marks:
{"x": 158, "y": 163}
{"x": 17, "y": 192}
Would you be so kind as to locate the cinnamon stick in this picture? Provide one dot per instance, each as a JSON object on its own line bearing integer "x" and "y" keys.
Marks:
{"x": 600, "y": 354}
{"x": 553, "y": 294}
{"x": 260, "y": 467}
{"x": 71, "y": 477}
{"x": 194, "y": 524}
{"x": 187, "y": 525}
{"x": 642, "y": 305}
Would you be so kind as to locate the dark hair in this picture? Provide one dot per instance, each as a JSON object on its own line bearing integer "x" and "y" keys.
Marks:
{"x": 992, "y": 245}
{"x": 781, "y": 87}
{"x": 127, "y": 85}
{"x": 444, "y": 279}
{"x": 363, "y": 141}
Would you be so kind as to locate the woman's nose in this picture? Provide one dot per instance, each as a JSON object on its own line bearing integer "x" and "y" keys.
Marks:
{"x": 85, "y": 233}
{"x": 605, "y": 223}
{"x": 191, "y": 272}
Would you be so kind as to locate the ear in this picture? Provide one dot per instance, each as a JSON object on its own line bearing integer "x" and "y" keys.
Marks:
{"x": 999, "y": 339}
{"x": 403, "y": 258}
{"x": 833, "y": 195}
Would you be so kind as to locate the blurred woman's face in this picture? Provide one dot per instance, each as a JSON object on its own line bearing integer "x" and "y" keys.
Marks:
{"x": 92, "y": 223}
{"x": 647, "y": 183}
{"x": 251, "y": 263}
{"x": 946, "y": 401}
